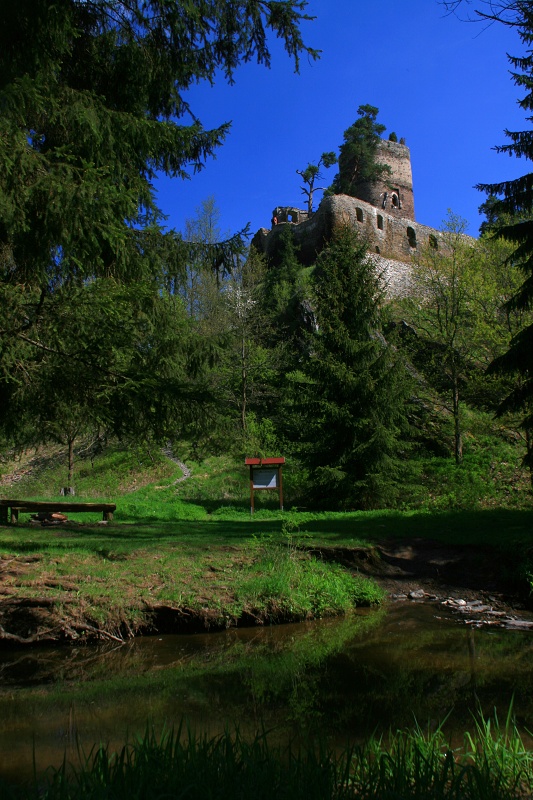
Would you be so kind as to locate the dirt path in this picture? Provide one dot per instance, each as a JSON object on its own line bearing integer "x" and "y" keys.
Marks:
{"x": 469, "y": 572}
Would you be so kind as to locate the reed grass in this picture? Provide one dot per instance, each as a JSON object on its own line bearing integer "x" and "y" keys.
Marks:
{"x": 492, "y": 764}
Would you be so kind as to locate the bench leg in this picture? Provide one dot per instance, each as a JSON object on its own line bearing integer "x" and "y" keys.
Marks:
{"x": 3, "y": 515}
{"x": 14, "y": 516}
{"x": 107, "y": 516}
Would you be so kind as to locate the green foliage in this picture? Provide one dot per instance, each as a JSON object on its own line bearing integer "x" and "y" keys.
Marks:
{"x": 357, "y": 154}
{"x": 492, "y": 764}
{"x": 286, "y": 302}
{"x": 352, "y": 389}
{"x": 291, "y": 585}
{"x": 513, "y": 210}
{"x": 457, "y": 308}
{"x": 93, "y": 109}
{"x": 90, "y": 114}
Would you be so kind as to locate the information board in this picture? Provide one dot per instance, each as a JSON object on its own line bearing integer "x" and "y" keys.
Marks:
{"x": 265, "y": 478}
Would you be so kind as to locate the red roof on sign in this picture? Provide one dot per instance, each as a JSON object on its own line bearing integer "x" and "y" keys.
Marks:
{"x": 261, "y": 462}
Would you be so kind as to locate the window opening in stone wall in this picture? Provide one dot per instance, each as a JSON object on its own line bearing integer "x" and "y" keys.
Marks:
{"x": 411, "y": 236}
{"x": 293, "y": 217}
{"x": 378, "y": 250}
{"x": 396, "y": 199}
{"x": 359, "y": 214}
{"x": 433, "y": 243}
{"x": 380, "y": 222}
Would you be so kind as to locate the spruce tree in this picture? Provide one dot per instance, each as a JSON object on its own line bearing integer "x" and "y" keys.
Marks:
{"x": 284, "y": 296}
{"x": 353, "y": 387}
{"x": 513, "y": 206}
{"x": 93, "y": 100}
{"x": 357, "y": 154}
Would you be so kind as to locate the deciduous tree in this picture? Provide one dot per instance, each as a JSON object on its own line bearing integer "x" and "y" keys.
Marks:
{"x": 438, "y": 305}
{"x": 515, "y": 202}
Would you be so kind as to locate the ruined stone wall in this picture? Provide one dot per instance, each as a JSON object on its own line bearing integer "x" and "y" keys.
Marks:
{"x": 289, "y": 214}
{"x": 383, "y": 214}
{"x": 391, "y": 237}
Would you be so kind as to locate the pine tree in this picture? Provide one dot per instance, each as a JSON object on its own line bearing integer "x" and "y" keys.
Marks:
{"x": 515, "y": 207}
{"x": 312, "y": 173}
{"x": 357, "y": 154}
{"x": 353, "y": 386}
{"x": 93, "y": 105}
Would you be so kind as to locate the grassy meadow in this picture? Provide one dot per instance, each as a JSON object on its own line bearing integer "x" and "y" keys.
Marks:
{"x": 192, "y": 546}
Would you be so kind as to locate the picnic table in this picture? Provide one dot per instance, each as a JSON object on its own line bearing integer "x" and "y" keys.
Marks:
{"x": 31, "y": 506}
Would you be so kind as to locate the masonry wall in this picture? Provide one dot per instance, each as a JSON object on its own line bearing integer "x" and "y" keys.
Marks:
{"x": 394, "y": 193}
{"x": 387, "y": 235}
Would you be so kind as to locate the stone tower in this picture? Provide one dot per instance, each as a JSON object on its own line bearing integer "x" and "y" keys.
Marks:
{"x": 393, "y": 194}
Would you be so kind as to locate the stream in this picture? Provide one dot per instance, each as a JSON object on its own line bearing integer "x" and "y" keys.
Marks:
{"x": 336, "y": 679}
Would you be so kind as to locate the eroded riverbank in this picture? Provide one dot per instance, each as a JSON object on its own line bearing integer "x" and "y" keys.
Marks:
{"x": 109, "y": 596}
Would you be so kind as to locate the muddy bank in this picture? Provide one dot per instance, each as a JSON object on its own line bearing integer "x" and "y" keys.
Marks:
{"x": 476, "y": 584}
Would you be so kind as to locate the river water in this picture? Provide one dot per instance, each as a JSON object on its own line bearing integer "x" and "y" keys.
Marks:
{"x": 336, "y": 679}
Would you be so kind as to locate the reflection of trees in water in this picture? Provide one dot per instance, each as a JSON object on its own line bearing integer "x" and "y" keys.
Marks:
{"x": 388, "y": 683}
{"x": 377, "y": 670}
{"x": 292, "y": 678}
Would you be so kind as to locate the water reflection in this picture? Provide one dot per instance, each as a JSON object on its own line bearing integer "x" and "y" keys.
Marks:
{"x": 343, "y": 678}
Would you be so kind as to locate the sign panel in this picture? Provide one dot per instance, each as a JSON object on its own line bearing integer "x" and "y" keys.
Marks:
{"x": 265, "y": 478}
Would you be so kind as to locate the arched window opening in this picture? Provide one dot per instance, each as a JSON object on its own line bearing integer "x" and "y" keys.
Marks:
{"x": 359, "y": 214}
{"x": 380, "y": 222}
{"x": 411, "y": 236}
{"x": 433, "y": 243}
{"x": 394, "y": 200}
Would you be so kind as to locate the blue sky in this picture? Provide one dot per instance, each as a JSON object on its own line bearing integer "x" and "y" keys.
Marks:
{"x": 441, "y": 83}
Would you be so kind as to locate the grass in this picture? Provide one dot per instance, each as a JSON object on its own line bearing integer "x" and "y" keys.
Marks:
{"x": 287, "y": 581}
{"x": 491, "y": 764}
{"x": 222, "y": 568}
{"x": 193, "y": 546}
{"x": 491, "y": 476}
{"x": 115, "y": 578}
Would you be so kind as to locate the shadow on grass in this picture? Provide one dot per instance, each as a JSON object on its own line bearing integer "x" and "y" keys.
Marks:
{"x": 494, "y": 528}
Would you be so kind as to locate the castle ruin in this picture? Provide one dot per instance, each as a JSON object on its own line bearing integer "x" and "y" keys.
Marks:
{"x": 383, "y": 212}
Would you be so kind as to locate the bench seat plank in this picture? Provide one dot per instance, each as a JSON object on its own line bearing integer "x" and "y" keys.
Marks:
{"x": 28, "y": 506}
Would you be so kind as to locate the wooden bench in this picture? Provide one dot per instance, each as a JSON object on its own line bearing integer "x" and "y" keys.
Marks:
{"x": 28, "y": 506}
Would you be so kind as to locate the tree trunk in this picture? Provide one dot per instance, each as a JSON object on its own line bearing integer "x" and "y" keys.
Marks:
{"x": 70, "y": 460}
{"x": 244, "y": 378}
{"x": 458, "y": 437}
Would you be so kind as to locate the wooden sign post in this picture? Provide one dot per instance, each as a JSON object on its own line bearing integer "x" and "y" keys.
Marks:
{"x": 265, "y": 475}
